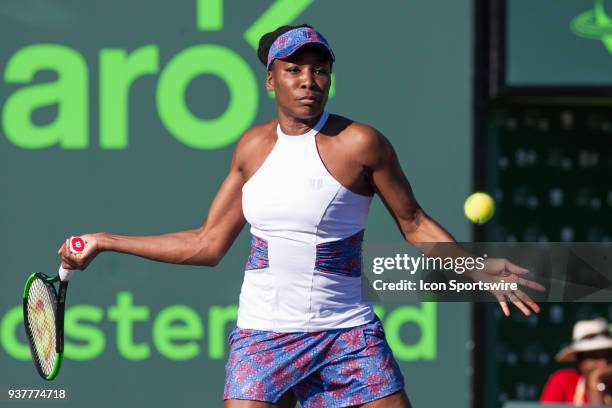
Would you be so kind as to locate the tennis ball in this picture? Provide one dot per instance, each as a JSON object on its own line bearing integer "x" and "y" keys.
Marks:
{"x": 479, "y": 207}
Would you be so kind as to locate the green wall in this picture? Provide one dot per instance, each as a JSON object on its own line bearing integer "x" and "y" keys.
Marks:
{"x": 558, "y": 42}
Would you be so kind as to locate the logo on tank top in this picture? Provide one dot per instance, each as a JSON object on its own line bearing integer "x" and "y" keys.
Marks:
{"x": 316, "y": 183}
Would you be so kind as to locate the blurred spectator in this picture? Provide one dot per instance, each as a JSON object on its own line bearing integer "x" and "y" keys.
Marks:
{"x": 591, "y": 381}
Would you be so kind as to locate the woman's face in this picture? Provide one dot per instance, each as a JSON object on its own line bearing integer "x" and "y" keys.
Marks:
{"x": 301, "y": 82}
{"x": 591, "y": 360}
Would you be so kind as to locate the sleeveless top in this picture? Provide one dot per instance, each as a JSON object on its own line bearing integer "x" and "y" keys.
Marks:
{"x": 303, "y": 272}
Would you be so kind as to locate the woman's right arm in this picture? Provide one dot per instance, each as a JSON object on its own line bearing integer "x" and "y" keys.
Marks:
{"x": 202, "y": 246}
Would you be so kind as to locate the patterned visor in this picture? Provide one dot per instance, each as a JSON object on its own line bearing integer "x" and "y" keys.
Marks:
{"x": 288, "y": 43}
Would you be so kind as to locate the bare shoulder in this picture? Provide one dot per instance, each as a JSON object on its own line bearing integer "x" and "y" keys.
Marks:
{"x": 363, "y": 142}
{"x": 255, "y": 135}
{"x": 256, "y": 141}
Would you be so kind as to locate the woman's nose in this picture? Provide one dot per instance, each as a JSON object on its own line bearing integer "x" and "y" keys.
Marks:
{"x": 308, "y": 79}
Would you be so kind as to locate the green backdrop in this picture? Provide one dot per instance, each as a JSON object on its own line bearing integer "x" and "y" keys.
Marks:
{"x": 121, "y": 116}
{"x": 558, "y": 42}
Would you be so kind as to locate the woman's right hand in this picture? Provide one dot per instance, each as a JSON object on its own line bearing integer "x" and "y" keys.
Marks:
{"x": 598, "y": 385}
{"x": 601, "y": 374}
{"x": 80, "y": 260}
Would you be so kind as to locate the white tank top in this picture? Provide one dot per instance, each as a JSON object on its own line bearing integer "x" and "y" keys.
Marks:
{"x": 304, "y": 269}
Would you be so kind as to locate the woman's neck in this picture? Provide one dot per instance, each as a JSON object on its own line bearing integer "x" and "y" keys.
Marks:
{"x": 296, "y": 126}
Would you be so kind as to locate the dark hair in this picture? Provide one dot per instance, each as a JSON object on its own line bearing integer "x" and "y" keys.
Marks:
{"x": 266, "y": 40}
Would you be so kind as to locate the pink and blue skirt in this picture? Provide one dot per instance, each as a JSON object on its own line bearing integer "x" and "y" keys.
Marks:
{"x": 332, "y": 368}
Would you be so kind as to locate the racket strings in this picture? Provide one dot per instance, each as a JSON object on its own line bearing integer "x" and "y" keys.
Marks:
{"x": 41, "y": 319}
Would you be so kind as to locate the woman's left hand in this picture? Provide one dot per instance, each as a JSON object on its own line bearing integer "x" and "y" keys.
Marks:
{"x": 497, "y": 269}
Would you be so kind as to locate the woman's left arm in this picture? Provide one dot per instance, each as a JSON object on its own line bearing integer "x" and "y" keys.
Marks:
{"x": 389, "y": 181}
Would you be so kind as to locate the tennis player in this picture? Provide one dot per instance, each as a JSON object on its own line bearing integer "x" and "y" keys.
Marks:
{"x": 304, "y": 181}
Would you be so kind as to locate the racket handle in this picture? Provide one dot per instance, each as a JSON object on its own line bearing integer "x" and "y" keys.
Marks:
{"x": 65, "y": 274}
{"x": 75, "y": 245}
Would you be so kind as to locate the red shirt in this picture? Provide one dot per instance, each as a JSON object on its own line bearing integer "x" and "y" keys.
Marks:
{"x": 561, "y": 387}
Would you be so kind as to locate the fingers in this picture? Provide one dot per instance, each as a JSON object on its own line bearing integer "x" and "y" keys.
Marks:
{"x": 518, "y": 303}
{"x": 512, "y": 268}
{"x": 526, "y": 299}
{"x": 69, "y": 259}
{"x": 517, "y": 270}
{"x": 531, "y": 284}
{"x": 73, "y": 264}
{"x": 519, "y": 299}
{"x": 502, "y": 304}
{"x": 510, "y": 272}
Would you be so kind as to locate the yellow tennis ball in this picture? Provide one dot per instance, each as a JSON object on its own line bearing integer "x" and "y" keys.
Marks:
{"x": 479, "y": 208}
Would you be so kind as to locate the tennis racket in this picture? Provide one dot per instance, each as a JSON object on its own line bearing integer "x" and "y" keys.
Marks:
{"x": 43, "y": 316}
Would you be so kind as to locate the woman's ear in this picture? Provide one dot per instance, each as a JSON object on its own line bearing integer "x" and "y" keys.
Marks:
{"x": 269, "y": 81}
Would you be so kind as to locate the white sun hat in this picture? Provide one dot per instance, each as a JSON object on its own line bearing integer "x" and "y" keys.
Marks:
{"x": 588, "y": 335}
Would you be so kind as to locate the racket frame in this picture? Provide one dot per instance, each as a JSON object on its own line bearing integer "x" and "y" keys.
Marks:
{"x": 60, "y": 299}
